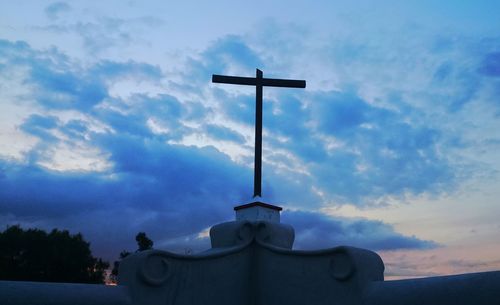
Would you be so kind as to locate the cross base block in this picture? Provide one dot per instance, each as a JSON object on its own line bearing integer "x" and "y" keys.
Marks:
{"x": 257, "y": 210}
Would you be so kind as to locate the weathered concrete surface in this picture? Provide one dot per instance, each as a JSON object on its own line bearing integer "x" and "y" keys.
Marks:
{"x": 36, "y": 293}
{"x": 251, "y": 271}
{"x": 464, "y": 289}
{"x": 253, "y": 274}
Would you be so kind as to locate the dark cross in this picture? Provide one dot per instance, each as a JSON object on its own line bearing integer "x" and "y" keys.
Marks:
{"x": 258, "y": 81}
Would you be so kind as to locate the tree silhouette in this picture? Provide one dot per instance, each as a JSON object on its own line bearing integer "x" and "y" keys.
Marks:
{"x": 143, "y": 243}
{"x": 35, "y": 255}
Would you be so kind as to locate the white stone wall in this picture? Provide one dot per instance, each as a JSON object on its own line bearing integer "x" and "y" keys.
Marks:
{"x": 258, "y": 213}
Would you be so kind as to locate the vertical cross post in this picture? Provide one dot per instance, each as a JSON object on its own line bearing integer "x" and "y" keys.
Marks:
{"x": 259, "y": 82}
{"x": 257, "y": 177}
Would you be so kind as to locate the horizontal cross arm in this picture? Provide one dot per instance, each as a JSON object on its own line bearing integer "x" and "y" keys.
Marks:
{"x": 235, "y": 80}
{"x": 288, "y": 83}
{"x": 252, "y": 81}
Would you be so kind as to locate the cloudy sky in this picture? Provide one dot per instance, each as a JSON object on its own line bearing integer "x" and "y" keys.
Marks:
{"x": 110, "y": 125}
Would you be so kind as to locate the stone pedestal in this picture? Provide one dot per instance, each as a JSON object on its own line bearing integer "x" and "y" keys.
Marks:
{"x": 251, "y": 263}
{"x": 255, "y": 211}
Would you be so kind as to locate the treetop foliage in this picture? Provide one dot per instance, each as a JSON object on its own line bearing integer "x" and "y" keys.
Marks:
{"x": 58, "y": 256}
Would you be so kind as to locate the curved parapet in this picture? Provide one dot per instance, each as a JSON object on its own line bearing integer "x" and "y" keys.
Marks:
{"x": 233, "y": 233}
{"x": 331, "y": 276}
{"x": 251, "y": 265}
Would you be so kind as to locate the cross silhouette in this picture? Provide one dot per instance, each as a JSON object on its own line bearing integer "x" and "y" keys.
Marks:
{"x": 258, "y": 81}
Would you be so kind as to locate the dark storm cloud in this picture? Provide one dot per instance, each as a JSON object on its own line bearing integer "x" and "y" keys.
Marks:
{"x": 146, "y": 175}
{"x": 57, "y": 84}
{"x": 491, "y": 65}
{"x": 383, "y": 154}
{"x": 40, "y": 126}
{"x": 61, "y": 84}
{"x": 107, "y": 70}
{"x": 240, "y": 108}
{"x": 229, "y": 51}
{"x": 316, "y": 231}
{"x": 167, "y": 190}
{"x": 75, "y": 129}
{"x": 65, "y": 89}
{"x": 223, "y": 133}
{"x": 379, "y": 152}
